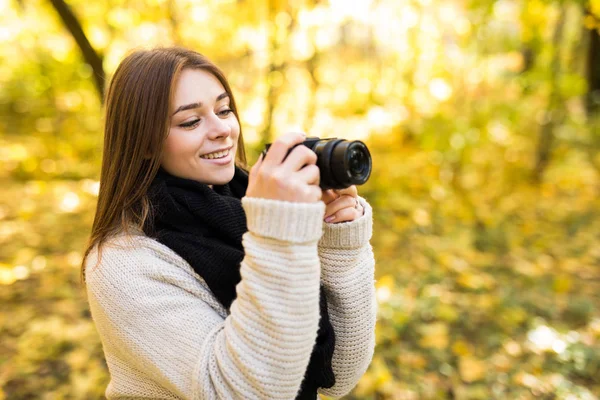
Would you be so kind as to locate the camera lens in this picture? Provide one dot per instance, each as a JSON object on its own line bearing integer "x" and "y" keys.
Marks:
{"x": 357, "y": 161}
{"x": 341, "y": 163}
{"x": 350, "y": 163}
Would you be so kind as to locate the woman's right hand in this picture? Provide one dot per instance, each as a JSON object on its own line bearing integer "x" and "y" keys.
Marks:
{"x": 295, "y": 179}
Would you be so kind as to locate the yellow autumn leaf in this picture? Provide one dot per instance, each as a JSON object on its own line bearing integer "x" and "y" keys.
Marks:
{"x": 471, "y": 369}
{"x": 475, "y": 281}
{"x": 434, "y": 336}
{"x": 7, "y": 277}
{"x": 562, "y": 284}
{"x": 461, "y": 348}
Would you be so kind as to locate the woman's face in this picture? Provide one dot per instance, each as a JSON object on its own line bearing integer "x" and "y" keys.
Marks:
{"x": 201, "y": 124}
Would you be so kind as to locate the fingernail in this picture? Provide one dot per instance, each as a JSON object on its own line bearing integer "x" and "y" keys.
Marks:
{"x": 330, "y": 218}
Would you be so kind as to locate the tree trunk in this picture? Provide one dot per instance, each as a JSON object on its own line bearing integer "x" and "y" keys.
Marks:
{"x": 89, "y": 54}
{"x": 593, "y": 73}
{"x": 554, "y": 112}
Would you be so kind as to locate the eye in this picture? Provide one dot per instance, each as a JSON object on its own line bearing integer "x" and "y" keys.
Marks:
{"x": 190, "y": 124}
{"x": 225, "y": 112}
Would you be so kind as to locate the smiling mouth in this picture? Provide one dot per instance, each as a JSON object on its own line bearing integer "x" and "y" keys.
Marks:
{"x": 217, "y": 155}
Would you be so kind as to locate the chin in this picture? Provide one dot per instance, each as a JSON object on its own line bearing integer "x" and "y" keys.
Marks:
{"x": 223, "y": 177}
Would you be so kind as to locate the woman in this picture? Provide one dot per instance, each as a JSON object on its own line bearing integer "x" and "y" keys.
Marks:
{"x": 209, "y": 282}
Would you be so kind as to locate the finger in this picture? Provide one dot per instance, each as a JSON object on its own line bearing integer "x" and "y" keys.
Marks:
{"x": 309, "y": 174}
{"x": 345, "y": 215}
{"x": 338, "y": 204}
{"x": 329, "y": 195}
{"x": 350, "y": 191}
{"x": 281, "y": 146}
{"x": 298, "y": 158}
{"x": 313, "y": 192}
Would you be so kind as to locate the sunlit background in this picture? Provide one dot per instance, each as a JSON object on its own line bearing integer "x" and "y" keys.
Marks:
{"x": 483, "y": 120}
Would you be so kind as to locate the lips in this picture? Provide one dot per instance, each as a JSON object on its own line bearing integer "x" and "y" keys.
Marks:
{"x": 219, "y": 153}
{"x": 226, "y": 160}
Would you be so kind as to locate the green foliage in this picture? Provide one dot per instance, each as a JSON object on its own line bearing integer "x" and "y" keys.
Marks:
{"x": 487, "y": 255}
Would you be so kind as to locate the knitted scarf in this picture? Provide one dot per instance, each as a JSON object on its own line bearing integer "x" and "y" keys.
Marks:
{"x": 205, "y": 227}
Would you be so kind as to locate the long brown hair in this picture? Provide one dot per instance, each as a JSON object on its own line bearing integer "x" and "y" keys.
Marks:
{"x": 136, "y": 125}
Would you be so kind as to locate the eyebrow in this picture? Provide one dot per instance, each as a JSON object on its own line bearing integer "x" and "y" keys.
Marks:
{"x": 198, "y": 104}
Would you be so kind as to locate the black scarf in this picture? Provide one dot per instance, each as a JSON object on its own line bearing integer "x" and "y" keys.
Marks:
{"x": 205, "y": 227}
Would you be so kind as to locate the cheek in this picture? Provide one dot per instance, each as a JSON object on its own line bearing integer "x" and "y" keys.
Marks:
{"x": 235, "y": 127}
{"x": 177, "y": 144}
{"x": 177, "y": 151}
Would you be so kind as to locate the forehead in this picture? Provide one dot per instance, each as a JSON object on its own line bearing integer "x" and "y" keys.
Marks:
{"x": 196, "y": 85}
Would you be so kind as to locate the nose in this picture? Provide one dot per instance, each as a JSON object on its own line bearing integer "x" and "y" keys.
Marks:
{"x": 218, "y": 127}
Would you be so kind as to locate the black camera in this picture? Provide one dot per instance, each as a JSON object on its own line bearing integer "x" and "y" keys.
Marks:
{"x": 342, "y": 163}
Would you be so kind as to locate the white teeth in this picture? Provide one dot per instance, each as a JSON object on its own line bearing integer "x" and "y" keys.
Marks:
{"x": 219, "y": 154}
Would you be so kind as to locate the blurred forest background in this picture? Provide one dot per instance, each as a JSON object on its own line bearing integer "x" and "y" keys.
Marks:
{"x": 483, "y": 119}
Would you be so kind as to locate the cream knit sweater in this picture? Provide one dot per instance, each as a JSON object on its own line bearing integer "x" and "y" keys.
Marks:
{"x": 165, "y": 336}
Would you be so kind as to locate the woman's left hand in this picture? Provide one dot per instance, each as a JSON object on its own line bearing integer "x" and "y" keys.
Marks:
{"x": 342, "y": 205}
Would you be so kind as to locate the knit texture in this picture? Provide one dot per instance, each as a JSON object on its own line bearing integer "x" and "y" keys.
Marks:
{"x": 205, "y": 227}
{"x": 166, "y": 336}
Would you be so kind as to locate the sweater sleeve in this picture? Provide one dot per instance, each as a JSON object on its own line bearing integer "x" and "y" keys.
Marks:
{"x": 156, "y": 318}
{"x": 347, "y": 272}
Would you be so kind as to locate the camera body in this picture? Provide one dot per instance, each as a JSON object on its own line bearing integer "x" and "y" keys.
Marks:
{"x": 341, "y": 163}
